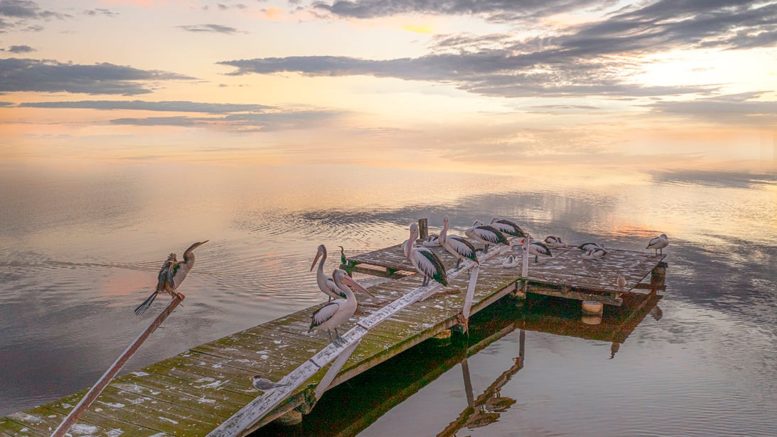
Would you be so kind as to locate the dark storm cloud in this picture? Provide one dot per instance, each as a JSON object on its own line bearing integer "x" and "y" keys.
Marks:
{"x": 51, "y": 76}
{"x": 211, "y": 28}
{"x": 161, "y": 106}
{"x": 268, "y": 121}
{"x": 21, "y": 49}
{"x": 591, "y": 59}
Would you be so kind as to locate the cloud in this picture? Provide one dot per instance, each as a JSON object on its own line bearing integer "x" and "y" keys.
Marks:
{"x": 160, "y": 106}
{"x": 497, "y": 10}
{"x": 5, "y": 104}
{"x": 51, "y": 76}
{"x": 100, "y": 11}
{"x": 715, "y": 178}
{"x": 733, "y": 108}
{"x": 26, "y": 9}
{"x": 270, "y": 121}
{"x": 584, "y": 60}
{"x": 212, "y": 28}
{"x": 21, "y": 49}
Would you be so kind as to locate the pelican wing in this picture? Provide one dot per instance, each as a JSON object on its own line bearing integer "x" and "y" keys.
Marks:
{"x": 542, "y": 248}
{"x": 463, "y": 247}
{"x": 431, "y": 266}
{"x": 490, "y": 234}
{"x": 323, "y": 314}
{"x": 509, "y": 227}
{"x": 334, "y": 288}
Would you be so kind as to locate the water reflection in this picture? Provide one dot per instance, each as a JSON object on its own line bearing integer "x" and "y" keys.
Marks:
{"x": 79, "y": 247}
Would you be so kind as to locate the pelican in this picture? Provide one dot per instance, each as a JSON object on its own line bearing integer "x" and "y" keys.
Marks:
{"x": 594, "y": 253}
{"x": 508, "y": 227}
{"x": 537, "y": 248}
{"x": 265, "y": 384}
{"x": 456, "y": 246}
{"x": 431, "y": 241}
{"x": 486, "y": 234}
{"x": 585, "y": 247}
{"x": 658, "y": 244}
{"x": 171, "y": 275}
{"x": 338, "y": 311}
{"x": 554, "y": 241}
{"x": 510, "y": 261}
{"x": 424, "y": 260}
{"x": 326, "y": 285}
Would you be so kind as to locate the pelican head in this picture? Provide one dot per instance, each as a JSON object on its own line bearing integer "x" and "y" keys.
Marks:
{"x": 341, "y": 277}
{"x": 321, "y": 252}
{"x": 445, "y": 220}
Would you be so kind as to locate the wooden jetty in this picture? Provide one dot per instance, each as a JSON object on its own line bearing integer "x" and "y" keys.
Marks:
{"x": 203, "y": 388}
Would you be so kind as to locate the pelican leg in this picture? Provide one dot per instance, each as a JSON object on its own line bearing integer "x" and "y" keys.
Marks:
{"x": 425, "y": 282}
{"x": 536, "y": 259}
{"x": 458, "y": 264}
{"x": 485, "y": 249}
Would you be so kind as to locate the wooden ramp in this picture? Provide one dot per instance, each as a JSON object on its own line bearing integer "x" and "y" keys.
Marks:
{"x": 196, "y": 391}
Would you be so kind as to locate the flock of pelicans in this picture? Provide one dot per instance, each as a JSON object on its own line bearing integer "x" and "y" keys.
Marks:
{"x": 341, "y": 288}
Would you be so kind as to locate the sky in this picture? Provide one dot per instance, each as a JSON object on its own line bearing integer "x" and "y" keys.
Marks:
{"x": 459, "y": 85}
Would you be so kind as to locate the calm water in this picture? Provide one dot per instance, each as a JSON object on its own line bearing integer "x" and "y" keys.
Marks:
{"x": 80, "y": 248}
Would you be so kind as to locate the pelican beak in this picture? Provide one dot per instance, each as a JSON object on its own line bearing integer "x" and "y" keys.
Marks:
{"x": 355, "y": 286}
{"x": 315, "y": 260}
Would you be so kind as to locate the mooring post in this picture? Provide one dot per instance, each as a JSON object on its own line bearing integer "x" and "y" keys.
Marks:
{"x": 101, "y": 383}
{"x": 423, "y": 228}
{"x": 658, "y": 277}
{"x": 525, "y": 264}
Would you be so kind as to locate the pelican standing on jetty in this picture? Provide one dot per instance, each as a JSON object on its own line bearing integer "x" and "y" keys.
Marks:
{"x": 325, "y": 284}
{"x": 508, "y": 227}
{"x": 658, "y": 244}
{"x": 554, "y": 241}
{"x": 585, "y": 247}
{"x": 456, "y": 246}
{"x": 596, "y": 252}
{"x": 537, "y": 248}
{"x": 424, "y": 260}
{"x": 486, "y": 234}
{"x": 338, "y": 311}
{"x": 170, "y": 276}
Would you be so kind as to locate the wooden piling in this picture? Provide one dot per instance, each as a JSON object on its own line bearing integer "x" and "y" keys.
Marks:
{"x": 423, "y": 228}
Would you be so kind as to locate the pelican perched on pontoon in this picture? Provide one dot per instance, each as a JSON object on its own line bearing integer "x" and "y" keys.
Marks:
{"x": 486, "y": 234}
{"x": 457, "y": 246}
{"x": 325, "y": 284}
{"x": 171, "y": 275}
{"x": 585, "y": 247}
{"x": 424, "y": 260}
{"x": 554, "y": 241}
{"x": 330, "y": 316}
{"x": 537, "y": 248}
{"x": 594, "y": 253}
{"x": 658, "y": 244}
{"x": 508, "y": 227}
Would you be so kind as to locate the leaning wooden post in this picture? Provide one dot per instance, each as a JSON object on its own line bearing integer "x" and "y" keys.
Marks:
{"x": 423, "y": 228}
{"x": 525, "y": 265}
{"x": 468, "y": 298}
{"x": 101, "y": 383}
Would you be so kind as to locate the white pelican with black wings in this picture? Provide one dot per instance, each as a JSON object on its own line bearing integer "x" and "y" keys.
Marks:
{"x": 508, "y": 227}
{"x": 338, "y": 311}
{"x": 424, "y": 260}
{"x": 457, "y": 246}
{"x": 486, "y": 234}
{"x": 325, "y": 284}
{"x": 658, "y": 244}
